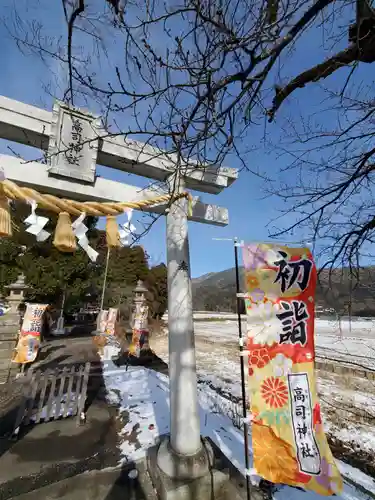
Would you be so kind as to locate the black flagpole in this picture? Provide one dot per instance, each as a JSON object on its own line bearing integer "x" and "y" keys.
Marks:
{"x": 243, "y": 387}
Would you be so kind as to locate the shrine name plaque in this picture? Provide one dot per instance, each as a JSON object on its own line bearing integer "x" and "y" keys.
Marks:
{"x": 73, "y": 144}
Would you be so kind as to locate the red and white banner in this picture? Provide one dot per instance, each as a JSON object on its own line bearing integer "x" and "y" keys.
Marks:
{"x": 112, "y": 315}
{"x": 29, "y": 338}
{"x": 289, "y": 443}
{"x": 140, "y": 336}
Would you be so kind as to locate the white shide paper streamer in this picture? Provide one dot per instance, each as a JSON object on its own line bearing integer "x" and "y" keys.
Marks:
{"x": 127, "y": 230}
{"x": 80, "y": 230}
{"x": 36, "y": 224}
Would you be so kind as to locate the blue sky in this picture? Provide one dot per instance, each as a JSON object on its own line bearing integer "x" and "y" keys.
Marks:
{"x": 24, "y": 78}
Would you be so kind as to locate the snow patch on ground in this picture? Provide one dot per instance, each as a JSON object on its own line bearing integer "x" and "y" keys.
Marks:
{"x": 358, "y": 437}
{"x": 349, "y": 493}
{"x": 343, "y": 398}
{"x": 222, "y": 373}
{"x": 358, "y": 476}
{"x": 110, "y": 350}
{"x": 351, "y": 342}
{"x": 143, "y": 399}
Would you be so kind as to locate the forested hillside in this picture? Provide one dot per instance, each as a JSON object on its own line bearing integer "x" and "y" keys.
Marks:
{"x": 337, "y": 290}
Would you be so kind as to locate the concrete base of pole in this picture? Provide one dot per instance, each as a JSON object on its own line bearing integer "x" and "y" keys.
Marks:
{"x": 184, "y": 467}
{"x": 172, "y": 480}
{"x": 212, "y": 476}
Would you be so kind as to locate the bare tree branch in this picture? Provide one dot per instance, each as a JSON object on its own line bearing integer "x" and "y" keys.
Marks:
{"x": 323, "y": 70}
{"x": 76, "y": 12}
{"x": 194, "y": 80}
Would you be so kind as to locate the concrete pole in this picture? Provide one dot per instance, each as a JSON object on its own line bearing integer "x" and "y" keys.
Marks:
{"x": 184, "y": 417}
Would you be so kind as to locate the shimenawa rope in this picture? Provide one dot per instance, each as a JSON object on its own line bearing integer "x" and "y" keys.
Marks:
{"x": 64, "y": 237}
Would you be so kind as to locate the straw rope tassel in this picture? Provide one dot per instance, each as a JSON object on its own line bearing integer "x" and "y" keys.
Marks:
{"x": 5, "y": 217}
{"x": 65, "y": 239}
{"x": 190, "y": 204}
{"x": 112, "y": 234}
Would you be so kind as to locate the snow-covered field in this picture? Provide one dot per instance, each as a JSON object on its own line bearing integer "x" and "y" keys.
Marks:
{"x": 348, "y": 403}
{"x": 356, "y": 326}
{"x": 142, "y": 396}
{"x": 349, "y": 341}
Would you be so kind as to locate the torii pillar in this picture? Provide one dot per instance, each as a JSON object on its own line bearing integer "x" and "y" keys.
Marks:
{"x": 182, "y": 455}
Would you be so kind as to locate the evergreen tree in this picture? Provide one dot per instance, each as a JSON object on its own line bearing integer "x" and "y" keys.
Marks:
{"x": 157, "y": 285}
{"x": 51, "y": 274}
{"x": 9, "y": 263}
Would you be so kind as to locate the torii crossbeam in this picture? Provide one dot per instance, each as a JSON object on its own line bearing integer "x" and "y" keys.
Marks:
{"x": 75, "y": 143}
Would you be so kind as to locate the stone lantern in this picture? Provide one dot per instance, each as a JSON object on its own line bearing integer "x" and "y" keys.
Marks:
{"x": 10, "y": 324}
{"x": 139, "y": 316}
{"x": 16, "y": 293}
{"x": 139, "y": 322}
{"x": 140, "y": 293}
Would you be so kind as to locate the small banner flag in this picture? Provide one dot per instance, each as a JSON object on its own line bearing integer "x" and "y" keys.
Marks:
{"x": 102, "y": 321}
{"x": 29, "y": 338}
{"x": 289, "y": 444}
{"x": 110, "y": 328}
{"x": 100, "y": 340}
{"x": 140, "y": 332}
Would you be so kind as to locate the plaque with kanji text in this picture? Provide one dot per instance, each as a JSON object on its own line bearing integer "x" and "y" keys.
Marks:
{"x": 73, "y": 144}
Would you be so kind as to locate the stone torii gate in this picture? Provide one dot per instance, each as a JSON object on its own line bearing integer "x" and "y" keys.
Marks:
{"x": 75, "y": 144}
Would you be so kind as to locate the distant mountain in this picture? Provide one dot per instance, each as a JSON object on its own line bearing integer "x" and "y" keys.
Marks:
{"x": 345, "y": 293}
{"x": 204, "y": 277}
{"x": 215, "y": 291}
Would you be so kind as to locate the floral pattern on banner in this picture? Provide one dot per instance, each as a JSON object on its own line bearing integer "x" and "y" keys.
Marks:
{"x": 273, "y": 456}
{"x": 274, "y": 392}
{"x": 289, "y": 444}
